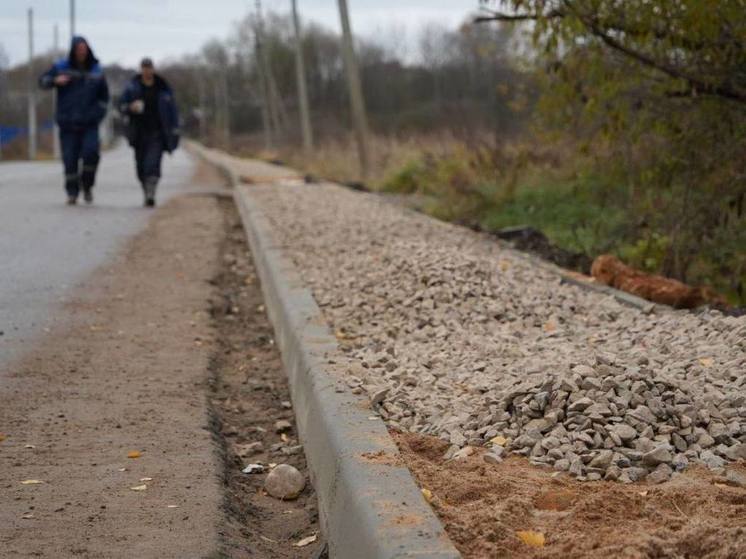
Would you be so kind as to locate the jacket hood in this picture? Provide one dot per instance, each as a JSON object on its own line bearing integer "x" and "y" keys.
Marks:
{"x": 90, "y": 61}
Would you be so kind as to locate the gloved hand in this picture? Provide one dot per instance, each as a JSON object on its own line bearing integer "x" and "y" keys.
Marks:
{"x": 137, "y": 107}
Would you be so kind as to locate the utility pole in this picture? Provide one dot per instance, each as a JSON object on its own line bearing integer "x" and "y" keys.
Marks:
{"x": 226, "y": 102}
{"x": 31, "y": 89}
{"x": 266, "y": 118}
{"x": 275, "y": 109}
{"x": 55, "y": 129}
{"x": 202, "y": 105}
{"x": 72, "y": 19}
{"x": 305, "y": 116}
{"x": 357, "y": 102}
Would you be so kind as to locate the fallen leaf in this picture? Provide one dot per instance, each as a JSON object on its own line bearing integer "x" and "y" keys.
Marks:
{"x": 253, "y": 469}
{"x": 28, "y": 516}
{"x": 134, "y": 454}
{"x": 172, "y": 507}
{"x": 2, "y": 437}
{"x": 122, "y": 469}
{"x": 707, "y": 361}
{"x": 643, "y": 493}
{"x": 531, "y": 538}
{"x": 284, "y": 438}
{"x": 305, "y": 541}
{"x": 427, "y": 494}
{"x": 499, "y": 440}
{"x": 32, "y": 482}
{"x": 550, "y": 326}
{"x": 29, "y": 446}
{"x": 142, "y": 487}
{"x": 504, "y": 265}
{"x": 342, "y": 335}
{"x": 146, "y": 479}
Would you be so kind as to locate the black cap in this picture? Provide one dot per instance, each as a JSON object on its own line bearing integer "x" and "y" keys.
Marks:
{"x": 147, "y": 62}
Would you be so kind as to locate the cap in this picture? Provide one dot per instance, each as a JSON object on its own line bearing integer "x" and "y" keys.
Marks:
{"x": 146, "y": 62}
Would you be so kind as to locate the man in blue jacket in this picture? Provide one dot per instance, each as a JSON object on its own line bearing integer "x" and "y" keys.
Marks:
{"x": 149, "y": 103}
{"x": 82, "y": 100}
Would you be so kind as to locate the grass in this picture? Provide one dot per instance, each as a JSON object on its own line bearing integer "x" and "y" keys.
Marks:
{"x": 575, "y": 202}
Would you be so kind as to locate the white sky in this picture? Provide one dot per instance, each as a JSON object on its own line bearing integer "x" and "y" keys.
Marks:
{"x": 124, "y": 31}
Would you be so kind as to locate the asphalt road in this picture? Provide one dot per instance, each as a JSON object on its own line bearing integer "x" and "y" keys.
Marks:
{"x": 48, "y": 248}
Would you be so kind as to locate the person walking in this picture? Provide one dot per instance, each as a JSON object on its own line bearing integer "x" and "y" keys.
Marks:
{"x": 82, "y": 102}
{"x": 148, "y": 102}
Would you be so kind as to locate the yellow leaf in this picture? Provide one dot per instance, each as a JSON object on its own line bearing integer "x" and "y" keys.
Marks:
{"x": 342, "y": 335}
{"x": 2, "y": 437}
{"x": 707, "y": 361}
{"x": 31, "y": 482}
{"x": 134, "y": 454}
{"x": 427, "y": 494}
{"x": 504, "y": 265}
{"x": 531, "y": 538}
{"x": 499, "y": 440}
{"x": 305, "y": 541}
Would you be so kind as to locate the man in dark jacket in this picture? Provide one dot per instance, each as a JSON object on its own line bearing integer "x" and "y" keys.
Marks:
{"x": 153, "y": 124}
{"x": 82, "y": 100}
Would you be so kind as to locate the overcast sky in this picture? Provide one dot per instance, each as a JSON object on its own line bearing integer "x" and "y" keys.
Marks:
{"x": 124, "y": 30}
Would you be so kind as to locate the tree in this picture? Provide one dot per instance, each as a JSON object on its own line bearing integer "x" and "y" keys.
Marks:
{"x": 657, "y": 91}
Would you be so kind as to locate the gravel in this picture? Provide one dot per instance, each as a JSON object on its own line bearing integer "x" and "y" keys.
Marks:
{"x": 454, "y": 335}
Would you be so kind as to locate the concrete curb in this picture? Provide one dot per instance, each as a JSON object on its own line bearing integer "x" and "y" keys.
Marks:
{"x": 370, "y": 506}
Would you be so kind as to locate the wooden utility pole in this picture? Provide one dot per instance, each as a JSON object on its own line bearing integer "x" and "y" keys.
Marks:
{"x": 264, "y": 92}
{"x": 305, "y": 116}
{"x": 55, "y": 129}
{"x": 226, "y": 102}
{"x": 72, "y": 19}
{"x": 357, "y": 102}
{"x": 31, "y": 89}
{"x": 275, "y": 110}
{"x": 201, "y": 79}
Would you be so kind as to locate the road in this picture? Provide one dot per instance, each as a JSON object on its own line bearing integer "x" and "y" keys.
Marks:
{"x": 47, "y": 248}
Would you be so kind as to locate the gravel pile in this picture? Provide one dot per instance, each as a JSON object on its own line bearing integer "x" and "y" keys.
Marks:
{"x": 453, "y": 335}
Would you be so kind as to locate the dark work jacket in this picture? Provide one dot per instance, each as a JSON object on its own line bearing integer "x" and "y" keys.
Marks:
{"x": 84, "y": 100}
{"x": 168, "y": 113}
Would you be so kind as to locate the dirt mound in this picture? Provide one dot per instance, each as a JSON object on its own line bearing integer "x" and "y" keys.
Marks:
{"x": 483, "y": 506}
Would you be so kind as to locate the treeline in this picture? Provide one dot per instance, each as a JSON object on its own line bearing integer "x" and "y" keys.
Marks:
{"x": 456, "y": 80}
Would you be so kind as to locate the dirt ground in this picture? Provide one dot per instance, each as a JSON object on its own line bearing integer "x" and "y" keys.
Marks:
{"x": 152, "y": 363}
{"x": 483, "y": 506}
{"x": 250, "y": 393}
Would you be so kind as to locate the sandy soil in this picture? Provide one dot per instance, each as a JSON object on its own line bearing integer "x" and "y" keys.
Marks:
{"x": 483, "y": 505}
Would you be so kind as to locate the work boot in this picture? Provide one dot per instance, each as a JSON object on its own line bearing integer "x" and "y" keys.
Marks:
{"x": 149, "y": 190}
{"x": 72, "y": 187}
{"x": 88, "y": 195}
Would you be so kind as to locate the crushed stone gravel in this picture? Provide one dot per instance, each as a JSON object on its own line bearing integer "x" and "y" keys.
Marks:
{"x": 454, "y": 335}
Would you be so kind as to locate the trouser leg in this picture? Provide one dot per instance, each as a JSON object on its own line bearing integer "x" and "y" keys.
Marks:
{"x": 151, "y": 164}
{"x": 71, "y": 142}
{"x": 140, "y": 161}
{"x": 90, "y": 156}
